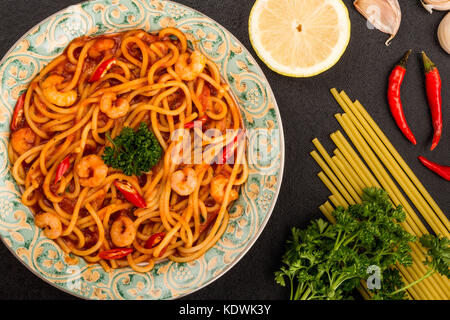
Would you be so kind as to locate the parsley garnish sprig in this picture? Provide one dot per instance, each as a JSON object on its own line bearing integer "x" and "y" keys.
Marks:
{"x": 133, "y": 152}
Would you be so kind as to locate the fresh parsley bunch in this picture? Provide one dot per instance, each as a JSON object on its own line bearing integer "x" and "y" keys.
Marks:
{"x": 327, "y": 261}
{"x": 133, "y": 152}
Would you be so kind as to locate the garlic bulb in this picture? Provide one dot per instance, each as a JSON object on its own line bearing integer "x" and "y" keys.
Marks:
{"x": 385, "y": 15}
{"x": 441, "y": 5}
{"x": 444, "y": 33}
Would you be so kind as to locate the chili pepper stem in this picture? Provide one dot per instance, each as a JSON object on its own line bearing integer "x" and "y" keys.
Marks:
{"x": 427, "y": 63}
{"x": 404, "y": 60}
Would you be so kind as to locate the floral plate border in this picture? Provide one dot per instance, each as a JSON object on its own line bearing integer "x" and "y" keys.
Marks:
{"x": 249, "y": 214}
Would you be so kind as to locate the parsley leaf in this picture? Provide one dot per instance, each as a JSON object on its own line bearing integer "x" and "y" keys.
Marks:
{"x": 133, "y": 152}
{"x": 438, "y": 253}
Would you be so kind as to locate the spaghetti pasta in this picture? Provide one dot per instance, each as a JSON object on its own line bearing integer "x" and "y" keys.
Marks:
{"x": 346, "y": 173}
{"x": 75, "y": 108}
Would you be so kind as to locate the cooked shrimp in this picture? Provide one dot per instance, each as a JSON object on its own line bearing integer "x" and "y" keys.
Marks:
{"x": 184, "y": 181}
{"x": 113, "y": 107}
{"x": 91, "y": 170}
{"x": 50, "y": 223}
{"x": 100, "y": 46}
{"x": 51, "y": 92}
{"x": 123, "y": 231}
{"x": 218, "y": 186}
{"x": 23, "y": 140}
{"x": 190, "y": 71}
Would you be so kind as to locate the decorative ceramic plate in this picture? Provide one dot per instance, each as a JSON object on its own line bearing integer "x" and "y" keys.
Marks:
{"x": 249, "y": 214}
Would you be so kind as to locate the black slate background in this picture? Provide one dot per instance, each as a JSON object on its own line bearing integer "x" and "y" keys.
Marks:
{"x": 307, "y": 111}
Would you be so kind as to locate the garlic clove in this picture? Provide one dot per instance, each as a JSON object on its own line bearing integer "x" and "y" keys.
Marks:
{"x": 441, "y": 5}
{"x": 385, "y": 15}
{"x": 444, "y": 33}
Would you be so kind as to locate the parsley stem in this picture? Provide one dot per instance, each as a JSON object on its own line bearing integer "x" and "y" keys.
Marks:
{"x": 306, "y": 294}
{"x": 110, "y": 139}
{"x": 292, "y": 288}
{"x": 428, "y": 274}
{"x": 350, "y": 239}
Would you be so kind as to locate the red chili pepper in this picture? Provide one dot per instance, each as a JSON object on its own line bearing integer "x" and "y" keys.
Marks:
{"x": 62, "y": 169}
{"x": 433, "y": 87}
{"x": 443, "y": 171}
{"x": 395, "y": 104}
{"x": 191, "y": 124}
{"x": 229, "y": 149}
{"x": 154, "y": 240}
{"x": 210, "y": 219}
{"x": 18, "y": 114}
{"x": 130, "y": 193}
{"x": 114, "y": 254}
{"x": 102, "y": 69}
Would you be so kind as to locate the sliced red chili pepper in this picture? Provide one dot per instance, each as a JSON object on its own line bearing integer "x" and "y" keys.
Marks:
{"x": 229, "y": 149}
{"x": 191, "y": 124}
{"x": 443, "y": 171}
{"x": 162, "y": 252}
{"x": 433, "y": 88}
{"x": 114, "y": 254}
{"x": 102, "y": 69}
{"x": 154, "y": 240}
{"x": 210, "y": 219}
{"x": 395, "y": 104}
{"x": 62, "y": 169}
{"x": 130, "y": 193}
{"x": 18, "y": 114}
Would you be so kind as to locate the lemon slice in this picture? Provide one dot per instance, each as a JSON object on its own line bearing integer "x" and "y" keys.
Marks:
{"x": 299, "y": 38}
